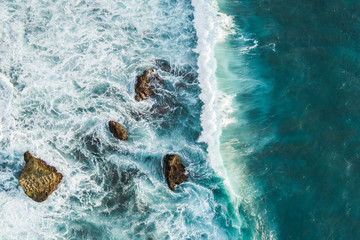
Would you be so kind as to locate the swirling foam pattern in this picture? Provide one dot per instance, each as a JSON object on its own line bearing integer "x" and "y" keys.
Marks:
{"x": 67, "y": 68}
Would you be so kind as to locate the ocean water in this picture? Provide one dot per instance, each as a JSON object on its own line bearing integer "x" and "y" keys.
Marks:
{"x": 260, "y": 102}
{"x": 288, "y": 81}
{"x": 67, "y": 68}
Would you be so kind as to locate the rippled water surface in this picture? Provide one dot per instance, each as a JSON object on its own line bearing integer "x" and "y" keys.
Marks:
{"x": 260, "y": 102}
{"x": 67, "y": 68}
{"x": 289, "y": 82}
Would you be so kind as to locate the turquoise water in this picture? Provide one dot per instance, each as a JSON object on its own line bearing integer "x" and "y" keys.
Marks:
{"x": 67, "y": 68}
{"x": 289, "y": 84}
{"x": 260, "y": 102}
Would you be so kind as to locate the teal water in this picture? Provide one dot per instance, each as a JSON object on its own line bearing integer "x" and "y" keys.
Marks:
{"x": 67, "y": 68}
{"x": 260, "y": 102}
{"x": 289, "y": 84}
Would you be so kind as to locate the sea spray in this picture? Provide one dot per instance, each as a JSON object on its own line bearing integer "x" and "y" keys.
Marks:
{"x": 6, "y": 90}
{"x": 213, "y": 27}
{"x": 210, "y": 28}
{"x": 73, "y": 66}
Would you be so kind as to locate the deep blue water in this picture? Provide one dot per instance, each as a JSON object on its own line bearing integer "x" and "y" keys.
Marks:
{"x": 291, "y": 72}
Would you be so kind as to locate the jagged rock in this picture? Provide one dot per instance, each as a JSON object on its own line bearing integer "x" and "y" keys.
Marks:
{"x": 141, "y": 88}
{"x": 38, "y": 179}
{"x": 174, "y": 171}
{"x": 117, "y": 130}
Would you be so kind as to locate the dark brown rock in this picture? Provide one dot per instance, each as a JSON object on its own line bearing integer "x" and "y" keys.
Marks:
{"x": 141, "y": 88}
{"x": 38, "y": 179}
{"x": 117, "y": 130}
{"x": 174, "y": 171}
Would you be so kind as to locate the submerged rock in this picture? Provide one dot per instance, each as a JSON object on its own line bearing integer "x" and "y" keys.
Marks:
{"x": 117, "y": 130}
{"x": 174, "y": 171}
{"x": 163, "y": 65}
{"x": 141, "y": 88}
{"x": 180, "y": 85}
{"x": 38, "y": 179}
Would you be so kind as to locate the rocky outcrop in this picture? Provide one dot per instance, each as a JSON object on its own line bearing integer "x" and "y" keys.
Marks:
{"x": 117, "y": 130}
{"x": 174, "y": 171}
{"x": 142, "y": 89}
{"x": 38, "y": 179}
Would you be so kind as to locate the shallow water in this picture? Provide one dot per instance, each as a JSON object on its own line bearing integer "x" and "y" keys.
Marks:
{"x": 260, "y": 102}
{"x": 289, "y": 82}
{"x": 67, "y": 68}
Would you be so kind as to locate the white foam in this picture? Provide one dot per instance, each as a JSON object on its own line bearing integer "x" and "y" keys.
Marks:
{"x": 6, "y": 90}
{"x": 226, "y": 109}
{"x": 247, "y": 48}
{"x": 5, "y": 95}
{"x": 205, "y": 24}
{"x": 226, "y": 26}
{"x": 211, "y": 27}
{"x": 65, "y": 57}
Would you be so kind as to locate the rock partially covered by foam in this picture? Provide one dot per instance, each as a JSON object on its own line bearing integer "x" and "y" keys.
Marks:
{"x": 117, "y": 130}
{"x": 142, "y": 89}
{"x": 174, "y": 171}
{"x": 38, "y": 179}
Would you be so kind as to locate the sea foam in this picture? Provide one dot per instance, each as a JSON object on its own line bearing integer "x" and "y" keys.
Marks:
{"x": 208, "y": 30}
{"x": 212, "y": 27}
{"x": 72, "y": 66}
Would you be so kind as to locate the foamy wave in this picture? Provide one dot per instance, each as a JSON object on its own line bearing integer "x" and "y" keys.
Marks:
{"x": 226, "y": 109}
{"x": 5, "y": 95}
{"x": 5, "y": 103}
{"x": 247, "y": 48}
{"x": 211, "y": 27}
{"x": 75, "y": 69}
{"x": 205, "y": 25}
{"x": 225, "y": 27}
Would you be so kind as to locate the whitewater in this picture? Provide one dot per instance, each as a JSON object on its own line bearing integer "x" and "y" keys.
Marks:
{"x": 67, "y": 68}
